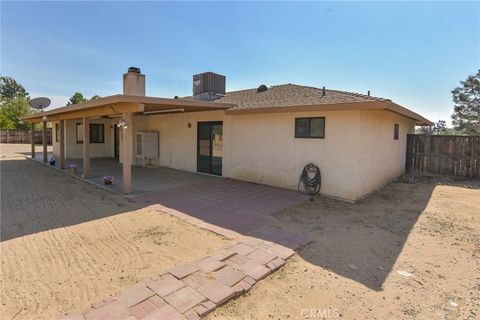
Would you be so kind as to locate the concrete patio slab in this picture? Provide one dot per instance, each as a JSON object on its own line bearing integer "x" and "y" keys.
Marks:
{"x": 145, "y": 179}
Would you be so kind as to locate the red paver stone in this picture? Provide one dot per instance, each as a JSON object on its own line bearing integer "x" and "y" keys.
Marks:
{"x": 250, "y": 280}
{"x": 166, "y": 312}
{"x": 184, "y": 299}
{"x": 222, "y": 254}
{"x": 265, "y": 245}
{"x": 217, "y": 292}
{"x": 112, "y": 310}
{"x": 255, "y": 270}
{"x": 184, "y": 270}
{"x": 179, "y": 214}
{"x": 229, "y": 275}
{"x": 134, "y": 296}
{"x": 282, "y": 251}
{"x": 275, "y": 264}
{"x": 157, "y": 301}
{"x": 192, "y": 315}
{"x": 148, "y": 306}
{"x": 209, "y": 264}
{"x": 201, "y": 310}
{"x": 165, "y": 285}
{"x": 242, "y": 248}
{"x": 196, "y": 279}
{"x": 241, "y": 287}
{"x": 261, "y": 256}
{"x": 251, "y": 241}
{"x": 236, "y": 260}
{"x": 209, "y": 305}
{"x": 138, "y": 312}
{"x": 227, "y": 233}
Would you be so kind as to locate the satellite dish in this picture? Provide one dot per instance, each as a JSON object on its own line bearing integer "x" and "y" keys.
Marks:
{"x": 39, "y": 103}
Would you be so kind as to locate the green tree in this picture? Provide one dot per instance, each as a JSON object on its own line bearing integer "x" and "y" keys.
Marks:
{"x": 10, "y": 88}
{"x": 466, "y": 116}
{"x": 10, "y": 112}
{"x": 13, "y": 104}
{"x": 76, "y": 98}
{"x": 438, "y": 128}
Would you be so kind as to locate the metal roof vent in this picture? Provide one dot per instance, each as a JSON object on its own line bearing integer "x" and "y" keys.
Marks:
{"x": 262, "y": 88}
{"x": 134, "y": 70}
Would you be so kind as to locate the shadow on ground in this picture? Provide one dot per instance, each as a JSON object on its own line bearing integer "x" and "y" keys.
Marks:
{"x": 360, "y": 241}
{"x": 35, "y": 198}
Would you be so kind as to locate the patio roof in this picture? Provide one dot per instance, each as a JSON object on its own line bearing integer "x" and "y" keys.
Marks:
{"x": 117, "y": 104}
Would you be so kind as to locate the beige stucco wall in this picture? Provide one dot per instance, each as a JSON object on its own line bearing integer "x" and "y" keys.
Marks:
{"x": 264, "y": 150}
{"x": 261, "y": 148}
{"x": 55, "y": 143}
{"x": 357, "y": 156}
{"x": 74, "y": 150}
{"x": 382, "y": 158}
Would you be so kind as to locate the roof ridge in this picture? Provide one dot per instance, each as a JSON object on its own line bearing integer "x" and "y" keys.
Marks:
{"x": 356, "y": 94}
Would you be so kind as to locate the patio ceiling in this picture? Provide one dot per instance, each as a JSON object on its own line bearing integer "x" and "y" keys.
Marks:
{"x": 118, "y": 104}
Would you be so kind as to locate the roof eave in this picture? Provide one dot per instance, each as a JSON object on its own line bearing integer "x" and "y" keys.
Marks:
{"x": 121, "y": 100}
{"x": 419, "y": 120}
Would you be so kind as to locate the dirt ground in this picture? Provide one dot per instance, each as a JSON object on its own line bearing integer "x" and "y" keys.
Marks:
{"x": 65, "y": 244}
{"x": 409, "y": 251}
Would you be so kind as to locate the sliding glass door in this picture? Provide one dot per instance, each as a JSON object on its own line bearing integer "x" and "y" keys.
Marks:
{"x": 210, "y": 147}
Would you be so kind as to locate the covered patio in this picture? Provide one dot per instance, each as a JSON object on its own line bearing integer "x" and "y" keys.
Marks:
{"x": 125, "y": 108}
{"x": 144, "y": 179}
{"x": 243, "y": 207}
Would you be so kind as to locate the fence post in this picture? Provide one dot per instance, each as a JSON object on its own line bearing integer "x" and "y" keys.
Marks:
{"x": 472, "y": 157}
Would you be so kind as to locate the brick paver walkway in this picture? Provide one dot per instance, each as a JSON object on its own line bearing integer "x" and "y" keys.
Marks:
{"x": 232, "y": 204}
{"x": 192, "y": 290}
{"x": 229, "y": 208}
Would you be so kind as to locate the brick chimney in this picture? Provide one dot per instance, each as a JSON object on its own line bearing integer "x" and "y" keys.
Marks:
{"x": 134, "y": 82}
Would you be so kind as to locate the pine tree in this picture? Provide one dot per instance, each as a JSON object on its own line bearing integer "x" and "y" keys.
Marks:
{"x": 466, "y": 116}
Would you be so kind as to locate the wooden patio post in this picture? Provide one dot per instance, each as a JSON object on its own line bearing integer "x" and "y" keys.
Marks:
{"x": 127, "y": 150}
{"x": 62, "y": 144}
{"x": 44, "y": 141}
{"x": 86, "y": 148}
{"x": 32, "y": 138}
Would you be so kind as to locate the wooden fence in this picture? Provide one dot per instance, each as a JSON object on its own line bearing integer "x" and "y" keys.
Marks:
{"x": 23, "y": 136}
{"x": 444, "y": 155}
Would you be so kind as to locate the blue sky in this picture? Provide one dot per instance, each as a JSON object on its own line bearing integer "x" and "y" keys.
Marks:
{"x": 414, "y": 53}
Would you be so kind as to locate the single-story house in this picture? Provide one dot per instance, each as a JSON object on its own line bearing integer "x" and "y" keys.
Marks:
{"x": 264, "y": 135}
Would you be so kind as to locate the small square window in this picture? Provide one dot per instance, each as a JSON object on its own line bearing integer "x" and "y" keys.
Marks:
{"x": 301, "y": 128}
{"x": 396, "y": 131}
{"x": 310, "y": 128}
{"x": 97, "y": 133}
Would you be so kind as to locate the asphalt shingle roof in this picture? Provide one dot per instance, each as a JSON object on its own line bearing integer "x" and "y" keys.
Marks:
{"x": 288, "y": 95}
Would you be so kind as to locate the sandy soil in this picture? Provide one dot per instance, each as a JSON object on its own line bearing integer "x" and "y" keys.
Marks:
{"x": 351, "y": 270}
{"x": 66, "y": 243}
